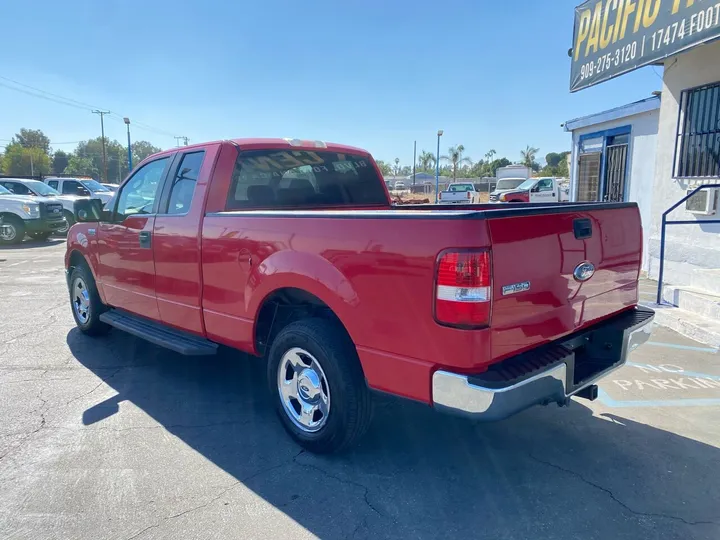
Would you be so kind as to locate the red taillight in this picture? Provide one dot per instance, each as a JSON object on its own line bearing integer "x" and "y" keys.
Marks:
{"x": 440, "y": 196}
{"x": 462, "y": 293}
{"x": 469, "y": 195}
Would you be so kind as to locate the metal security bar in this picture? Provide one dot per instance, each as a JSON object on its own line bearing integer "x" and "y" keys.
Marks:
{"x": 697, "y": 146}
{"x": 665, "y": 223}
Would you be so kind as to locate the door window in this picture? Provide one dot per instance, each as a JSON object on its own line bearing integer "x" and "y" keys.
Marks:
{"x": 17, "y": 188}
{"x": 73, "y": 187}
{"x": 53, "y": 184}
{"x": 545, "y": 185}
{"x": 183, "y": 186}
{"x": 139, "y": 194}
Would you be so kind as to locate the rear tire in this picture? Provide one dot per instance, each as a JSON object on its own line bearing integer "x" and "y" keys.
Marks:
{"x": 12, "y": 231}
{"x": 328, "y": 372}
{"x": 85, "y": 302}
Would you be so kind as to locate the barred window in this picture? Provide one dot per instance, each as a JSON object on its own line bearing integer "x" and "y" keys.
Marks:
{"x": 697, "y": 148}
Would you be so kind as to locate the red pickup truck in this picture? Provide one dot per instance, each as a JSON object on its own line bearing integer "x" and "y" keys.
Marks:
{"x": 292, "y": 251}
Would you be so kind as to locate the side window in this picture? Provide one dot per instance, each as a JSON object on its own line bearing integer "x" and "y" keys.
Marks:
{"x": 183, "y": 185}
{"x": 73, "y": 187}
{"x": 53, "y": 184}
{"x": 545, "y": 185}
{"x": 17, "y": 188}
{"x": 138, "y": 195}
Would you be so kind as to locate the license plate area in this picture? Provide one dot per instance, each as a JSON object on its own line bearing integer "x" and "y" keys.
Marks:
{"x": 594, "y": 353}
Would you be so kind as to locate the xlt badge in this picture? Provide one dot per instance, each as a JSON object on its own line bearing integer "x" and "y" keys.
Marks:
{"x": 516, "y": 288}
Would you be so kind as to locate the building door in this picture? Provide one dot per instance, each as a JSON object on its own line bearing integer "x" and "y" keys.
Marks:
{"x": 615, "y": 169}
{"x": 588, "y": 177}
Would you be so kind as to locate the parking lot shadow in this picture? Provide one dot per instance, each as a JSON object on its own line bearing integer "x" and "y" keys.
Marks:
{"x": 31, "y": 244}
{"x": 545, "y": 472}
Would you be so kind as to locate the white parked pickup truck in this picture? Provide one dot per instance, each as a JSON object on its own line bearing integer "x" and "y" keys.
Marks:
{"x": 460, "y": 193}
{"x": 36, "y": 188}
{"x": 534, "y": 190}
{"x": 37, "y": 217}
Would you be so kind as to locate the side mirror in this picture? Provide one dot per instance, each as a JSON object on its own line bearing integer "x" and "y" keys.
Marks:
{"x": 90, "y": 210}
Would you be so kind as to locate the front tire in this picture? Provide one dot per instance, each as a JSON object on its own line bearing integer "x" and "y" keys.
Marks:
{"x": 318, "y": 386}
{"x": 12, "y": 231}
{"x": 85, "y": 302}
{"x": 69, "y": 222}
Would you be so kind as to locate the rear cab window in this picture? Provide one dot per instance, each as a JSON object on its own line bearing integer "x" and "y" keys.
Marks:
{"x": 304, "y": 179}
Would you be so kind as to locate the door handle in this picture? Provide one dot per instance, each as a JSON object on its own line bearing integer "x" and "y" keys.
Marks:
{"x": 145, "y": 239}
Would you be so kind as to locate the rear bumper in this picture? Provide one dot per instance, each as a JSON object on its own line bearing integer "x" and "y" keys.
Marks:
{"x": 551, "y": 373}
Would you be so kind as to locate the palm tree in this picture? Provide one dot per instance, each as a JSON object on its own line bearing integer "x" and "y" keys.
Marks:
{"x": 427, "y": 161}
{"x": 455, "y": 158}
{"x": 397, "y": 166}
{"x": 490, "y": 155}
{"x": 528, "y": 156}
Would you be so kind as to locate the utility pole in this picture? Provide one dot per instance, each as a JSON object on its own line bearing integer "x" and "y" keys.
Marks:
{"x": 179, "y": 138}
{"x": 414, "y": 160}
{"x": 102, "y": 131}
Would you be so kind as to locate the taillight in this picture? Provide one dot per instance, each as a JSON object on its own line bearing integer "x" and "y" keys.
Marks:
{"x": 469, "y": 196}
{"x": 440, "y": 196}
{"x": 462, "y": 291}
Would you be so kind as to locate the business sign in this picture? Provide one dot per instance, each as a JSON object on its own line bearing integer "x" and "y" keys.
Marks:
{"x": 612, "y": 37}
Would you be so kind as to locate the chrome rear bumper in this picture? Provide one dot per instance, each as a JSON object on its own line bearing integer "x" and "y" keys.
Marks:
{"x": 556, "y": 382}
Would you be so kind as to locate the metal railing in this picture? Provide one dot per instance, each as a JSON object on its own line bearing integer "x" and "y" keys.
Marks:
{"x": 665, "y": 223}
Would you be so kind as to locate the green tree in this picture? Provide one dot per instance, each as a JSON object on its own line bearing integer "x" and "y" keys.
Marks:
{"x": 116, "y": 157}
{"x": 21, "y": 161}
{"x": 529, "y": 156}
{"x": 59, "y": 162}
{"x": 427, "y": 161}
{"x": 141, "y": 150}
{"x": 32, "y": 138}
{"x": 456, "y": 159}
{"x": 385, "y": 168}
{"x": 81, "y": 166}
{"x": 556, "y": 165}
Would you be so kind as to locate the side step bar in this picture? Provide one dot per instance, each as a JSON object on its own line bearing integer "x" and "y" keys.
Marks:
{"x": 175, "y": 340}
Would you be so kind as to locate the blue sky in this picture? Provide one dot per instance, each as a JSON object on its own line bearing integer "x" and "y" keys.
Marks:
{"x": 377, "y": 74}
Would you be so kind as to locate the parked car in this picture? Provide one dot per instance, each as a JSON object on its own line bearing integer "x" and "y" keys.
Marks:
{"x": 291, "y": 251}
{"x": 536, "y": 190}
{"x": 35, "y": 216}
{"x": 399, "y": 185}
{"x": 460, "y": 193}
{"x": 36, "y": 188}
{"x": 80, "y": 186}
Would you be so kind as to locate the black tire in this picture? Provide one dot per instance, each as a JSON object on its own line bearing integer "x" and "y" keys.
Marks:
{"x": 350, "y": 410}
{"x": 15, "y": 233}
{"x": 91, "y": 325}
{"x": 42, "y": 236}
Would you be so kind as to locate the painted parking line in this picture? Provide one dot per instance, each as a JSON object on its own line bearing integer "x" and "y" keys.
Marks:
{"x": 683, "y": 347}
{"x": 606, "y": 400}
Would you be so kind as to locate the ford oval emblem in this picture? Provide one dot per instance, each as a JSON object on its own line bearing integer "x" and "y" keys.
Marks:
{"x": 584, "y": 271}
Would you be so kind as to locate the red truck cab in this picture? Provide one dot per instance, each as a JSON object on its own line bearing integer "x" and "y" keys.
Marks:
{"x": 291, "y": 250}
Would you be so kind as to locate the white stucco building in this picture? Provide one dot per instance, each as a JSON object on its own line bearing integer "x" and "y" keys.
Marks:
{"x": 654, "y": 152}
{"x": 613, "y": 157}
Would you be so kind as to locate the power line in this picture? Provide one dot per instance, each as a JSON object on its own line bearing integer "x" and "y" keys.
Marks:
{"x": 62, "y": 100}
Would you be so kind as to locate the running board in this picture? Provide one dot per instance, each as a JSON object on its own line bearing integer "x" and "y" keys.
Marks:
{"x": 175, "y": 340}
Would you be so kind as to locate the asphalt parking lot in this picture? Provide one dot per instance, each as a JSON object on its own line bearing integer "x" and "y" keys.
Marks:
{"x": 116, "y": 438}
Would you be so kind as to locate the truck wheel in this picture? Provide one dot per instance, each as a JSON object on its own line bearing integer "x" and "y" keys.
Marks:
{"x": 12, "y": 231}
{"x": 85, "y": 302}
{"x": 318, "y": 386}
{"x": 69, "y": 222}
{"x": 42, "y": 236}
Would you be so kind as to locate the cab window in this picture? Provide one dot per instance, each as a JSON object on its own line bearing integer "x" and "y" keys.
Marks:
{"x": 139, "y": 194}
{"x": 17, "y": 188}
{"x": 53, "y": 184}
{"x": 545, "y": 184}
{"x": 183, "y": 185}
{"x": 73, "y": 187}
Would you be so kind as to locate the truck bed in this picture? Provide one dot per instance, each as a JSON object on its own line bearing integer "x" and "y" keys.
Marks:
{"x": 379, "y": 278}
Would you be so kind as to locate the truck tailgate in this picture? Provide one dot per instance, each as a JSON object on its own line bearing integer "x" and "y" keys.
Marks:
{"x": 536, "y": 297}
